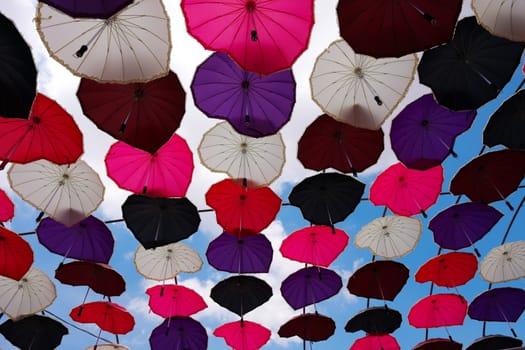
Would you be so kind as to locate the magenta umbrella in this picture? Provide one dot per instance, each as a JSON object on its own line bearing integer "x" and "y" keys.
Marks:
{"x": 243, "y": 335}
{"x": 174, "y": 300}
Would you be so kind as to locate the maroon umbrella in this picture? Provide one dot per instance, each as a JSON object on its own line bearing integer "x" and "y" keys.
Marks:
{"x": 438, "y": 344}
{"x": 310, "y": 327}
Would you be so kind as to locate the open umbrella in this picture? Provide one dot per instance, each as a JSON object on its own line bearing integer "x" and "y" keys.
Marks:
{"x": 358, "y": 89}
{"x": 501, "y": 18}
{"x": 34, "y": 332}
{"x": 7, "y": 207}
{"x": 307, "y": 326}
{"x": 108, "y": 316}
{"x": 95, "y": 49}
{"x": 107, "y": 347}
{"x": 438, "y": 310}
{"x": 143, "y": 115}
{"x": 376, "y": 342}
{"x": 495, "y": 342}
{"x": 262, "y": 37}
{"x": 243, "y": 335}
{"x": 253, "y": 105}
{"x": 448, "y": 270}
{"x": 504, "y": 263}
{"x": 170, "y": 300}
{"x": 179, "y": 333}
{"x": 375, "y": 320}
{"x": 438, "y": 344}
{"x": 91, "y": 9}
{"x": 17, "y": 255}
{"x": 504, "y": 304}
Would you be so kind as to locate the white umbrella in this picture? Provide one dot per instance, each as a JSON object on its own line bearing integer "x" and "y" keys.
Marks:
{"x": 390, "y": 236}
{"x": 67, "y": 193}
{"x": 33, "y": 293}
{"x": 503, "y": 18}
{"x": 131, "y": 46}
{"x": 258, "y": 160}
{"x": 357, "y": 89}
{"x": 107, "y": 347}
{"x": 504, "y": 263}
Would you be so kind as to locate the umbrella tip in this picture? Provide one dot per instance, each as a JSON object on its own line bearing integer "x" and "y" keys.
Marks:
{"x": 80, "y": 52}
{"x": 509, "y": 205}
{"x": 40, "y": 216}
{"x": 424, "y": 213}
{"x": 477, "y": 252}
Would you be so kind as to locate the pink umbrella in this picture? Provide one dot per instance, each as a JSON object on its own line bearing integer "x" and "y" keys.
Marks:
{"x": 376, "y": 342}
{"x": 438, "y": 310}
{"x": 315, "y": 245}
{"x": 7, "y": 208}
{"x": 243, "y": 335}
{"x": 174, "y": 300}
{"x": 165, "y": 173}
{"x": 407, "y": 191}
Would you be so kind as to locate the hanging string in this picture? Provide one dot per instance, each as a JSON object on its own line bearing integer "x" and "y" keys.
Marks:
{"x": 74, "y": 325}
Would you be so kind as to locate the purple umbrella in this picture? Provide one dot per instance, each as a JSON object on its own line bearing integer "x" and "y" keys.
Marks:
{"x": 461, "y": 225}
{"x": 310, "y": 285}
{"x": 423, "y": 133}
{"x": 250, "y": 254}
{"x": 179, "y": 333}
{"x": 90, "y": 239}
{"x": 505, "y": 304}
{"x": 89, "y": 9}
{"x": 254, "y": 105}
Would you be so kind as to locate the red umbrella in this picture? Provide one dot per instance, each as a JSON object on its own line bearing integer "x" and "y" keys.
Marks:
{"x": 7, "y": 208}
{"x": 241, "y": 210}
{"x": 438, "y": 310}
{"x": 143, "y": 115}
{"x": 108, "y": 316}
{"x": 448, "y": 270}
{"x": 310, "y": 327}
{"x": 49, "y": 133}
{"x": 376, "y": 342}
{"x": 16, "y": 253}
{"x": 165, "y": 173}
{"x": 243, "y": 335}
{"x": 329, "y": 143}
{"x": 315, "y": 245}
{"x": 174, "y": 300}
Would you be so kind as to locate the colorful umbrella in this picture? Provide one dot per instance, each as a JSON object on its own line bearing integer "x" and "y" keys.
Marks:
{"x": 258, "y": 161}
{"x": 7, "y": 207}
{"x": 376, "y": 342}
{"x": 165, "y": 173}
{"x": 422, "y": 135}
{"x": 448, "y": 270}
{"x": 89, "y": 240}
{"x": 94, "y": 49}
{"x": 438, "y": 344}
{"x": 50, "y": 133}
{"x": 261, "y": 37}
{"x": 501, "y": 18}
{"x": 243, "y": 335}
{"x": 34, "y": 332}
{"x": 17, "y": 255}
{"x": 407, "y": 191}
{"x": 91, "y": 9}
{"x": 179, "y": 333}
{"x": 375, "y": 320}
{"x": 358, "y": 89}
{"x": 143, "y": 115}
{"x": 157, "y": 221}
{"x": 240, "y": 210}
{"x": 438, "y": 310}
{"x": 254, "y": 105}
{"x": 170, "y": 300}
{"x": 310, "y": 327}
{"x": 250, "y": 254}
{"x": 495, "y": 342}
{"x": 108, "y": 316}
{"x": 504, "y": 304}
{"x": 504, "y": 263}
{"x": 310, "y": 285}
{"x": 329, "y": 143}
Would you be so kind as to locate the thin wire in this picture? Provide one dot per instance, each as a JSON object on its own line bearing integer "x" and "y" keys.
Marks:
{"x": 74, "y": 326}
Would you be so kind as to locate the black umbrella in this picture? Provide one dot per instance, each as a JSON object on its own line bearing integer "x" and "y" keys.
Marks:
{"x": 471, "y": 69}
{"x": 241, "y": 294}
{"x": 495, "y": 342}
{"x": 375, "y": 320}
{"x": 327, "y": 198}
{"x": 34, "y": 332}
{"x": 506, "y": 125}
{"x": 157, "y": 221}
{"x": 17, "y": 72}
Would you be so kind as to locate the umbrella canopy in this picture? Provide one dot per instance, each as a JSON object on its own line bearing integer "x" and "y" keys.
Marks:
{"x": 250, "y": 254}
{"x": 315, "y": 245}
{"x": 422, "y": 135}
{"x": 165, "y": 173}
{"x": 17, "y": 255}
{"x": 243, "y": 335}
{"x": 170, "y": 300}
{"x": 261, "y": 37}
{"x": 471, "y": 69}
{"x": 92, "y": 48}
{"x": 252, "y": 104}
{"x": 167, "y": 261}
{"x": 67, "y": 193}
{"x": 107, "y": 347}
{"x": 375, "y": 320}
{"x": 157, "y": 221}
{"x": 32, "y": 293}
{"x": 501, "y": 18}
{"x": 108, "y": 316}
{"x": 358, "y": 89}
{"x": 438, "y": 310}
{"x": 448, "y": 270}
{"x": 34, "y": 332}
{"x": 179, "y": 333}
{"x": 407, "y": 191}
{"x": 143, "y": 115}
{"x": 504, "y": 263}
{"x": 381, "y": 279}
{"x": 91, "y": 9}
{"x": 310, "y": 327}
{"x": 495, "y": 342}
{"x": 240, "y": 210}
{"x": 376, "y": 342}
{"x": 390, "y": 236}
{"x": 394, "y": 30}
{"x": 88, "y": 240}
{"x": 241, "y": 294}
{"x": 259, "y": 161}
{"x": 49, "y": 133}
{"x": 7, "y": 207}
{"x": 438, "y": 344}
{"x": 504, "y": 304}
{"x": 327, "y": 198}
{"x": 330, "y": 143}
{"x": 310, "y": 285}
{"x": 461, "y": 225}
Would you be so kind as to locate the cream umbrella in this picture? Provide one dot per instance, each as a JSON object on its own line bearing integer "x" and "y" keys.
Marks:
{"x": 357, "y": 89}
{"x": 390, "y": 236}
{"x": 258, "y": 160}
{"x": 67, "y": 193}
{"x": 503, "y": 18}
{"x": 32, "y": 293}
{"x": 131, "y": 46}
{"x": 504, "y": 263}
{"x": 107, "y": 347}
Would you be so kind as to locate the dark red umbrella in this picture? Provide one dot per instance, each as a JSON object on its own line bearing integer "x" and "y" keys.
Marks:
{"x": 495, "y": 342}
{"x": 310, "y": 327}
{"x": 438, "y": 344}
{"x": 108, "y": 316}
{"x": 16, "y": 253}
{"x": 448, "y": 270}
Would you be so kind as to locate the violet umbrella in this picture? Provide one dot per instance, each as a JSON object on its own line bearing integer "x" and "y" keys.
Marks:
{"x": 89, "y": 9}
{"x": 254, "y": 105}
{"x": 504, "y": 304}
{"x": 179, "y": 333}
